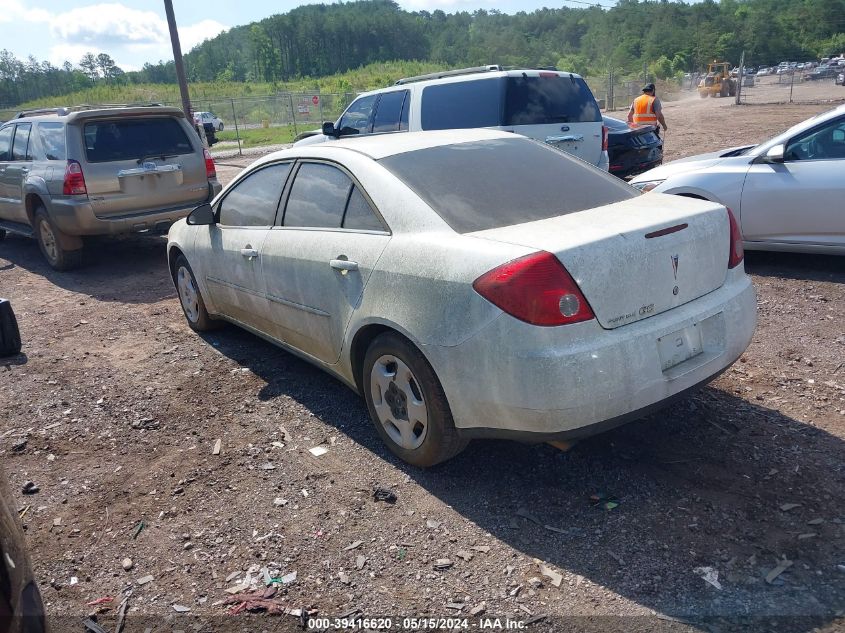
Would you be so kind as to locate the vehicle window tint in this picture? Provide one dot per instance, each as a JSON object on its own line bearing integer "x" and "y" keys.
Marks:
{"x": 825, "y": 143}
{"x": 6, "y": 142}
{"x": 487, "y": 184}
{"x": 318, "y": 197}
{"x": 359, "y": 215}
{"x": 389, "y": 111}
{"x": 52, "y": 137}
{"x": 254, "y": 200}
{"x": 403, "y": 118}
{"x": 128, "y": 139}
{"x": 359, "y": 114}
{"x": 465, "y": 104}
{"x": 19, "y": 147}
{"x": 549, "y": 99}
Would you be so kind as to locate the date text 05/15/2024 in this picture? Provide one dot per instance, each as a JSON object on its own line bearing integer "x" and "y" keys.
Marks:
{"x": 360, "y": 623}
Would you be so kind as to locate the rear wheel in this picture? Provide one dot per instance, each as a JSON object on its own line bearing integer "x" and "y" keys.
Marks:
{"x": 220, "y": 128}
{"x": 51, "y": 242}
{"x": 407, "y": 403}
{"x": 190, "y": 298}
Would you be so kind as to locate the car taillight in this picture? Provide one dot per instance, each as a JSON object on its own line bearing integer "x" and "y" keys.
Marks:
{"x": 210, "y": 170}
{"x": 737, "y": 250}
{"x": 536, "y": 289}
{"x": 74, "y": 184}
{"x": 604, "y": 132}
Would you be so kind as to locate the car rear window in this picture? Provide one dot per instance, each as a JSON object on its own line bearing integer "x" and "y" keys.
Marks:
{"x": 488, "y": 184}
{"x": 549, "y": 98}
{"x": 465, "y": 104}
{"x": 126, "y": 139}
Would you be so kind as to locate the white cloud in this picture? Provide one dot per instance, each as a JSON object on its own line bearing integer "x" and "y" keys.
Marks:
{"x": 112, "y": 28}
{"x": 190, "y": 36}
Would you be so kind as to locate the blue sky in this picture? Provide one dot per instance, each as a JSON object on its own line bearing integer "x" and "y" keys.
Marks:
{"x": 135, "y": 31}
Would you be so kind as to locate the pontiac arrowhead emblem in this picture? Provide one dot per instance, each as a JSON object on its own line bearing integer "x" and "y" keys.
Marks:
{"x": 674, "y": 259}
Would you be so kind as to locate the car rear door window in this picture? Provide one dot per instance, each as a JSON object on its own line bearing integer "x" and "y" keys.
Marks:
{"x": 359, "y": 115}
{"x": 6, "y": 143}
{"x": 318, "y": 197}
{"x": 359, "y": 214}
{"x": 254, "y": 200}
{"x": 389, "y": 111}
{"x": 464, "y": 104}
{"x": 21, "y": 143}
{"x": 549, "y": 98}
{"x": 52, "y": 137}
{"x": 138, "y": 139}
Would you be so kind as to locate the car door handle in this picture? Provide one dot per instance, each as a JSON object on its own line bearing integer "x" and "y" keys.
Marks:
{"x": 343, "y": 264}
{"x": 249, "y": 252}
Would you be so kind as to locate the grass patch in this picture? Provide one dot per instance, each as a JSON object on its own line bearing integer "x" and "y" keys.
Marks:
{"x": 259, "y": 137}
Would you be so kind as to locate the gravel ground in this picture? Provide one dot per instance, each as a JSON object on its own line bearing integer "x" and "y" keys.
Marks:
{"x": 121, "y": 405}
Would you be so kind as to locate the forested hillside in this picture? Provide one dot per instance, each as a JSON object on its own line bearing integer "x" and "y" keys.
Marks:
{"x": 320, "y": 40}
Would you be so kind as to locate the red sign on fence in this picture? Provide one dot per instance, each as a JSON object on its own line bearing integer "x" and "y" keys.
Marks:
{"x": 315, "y": 100}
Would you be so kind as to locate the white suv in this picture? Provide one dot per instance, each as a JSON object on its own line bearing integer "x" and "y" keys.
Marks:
{"x": 547, "y": 105}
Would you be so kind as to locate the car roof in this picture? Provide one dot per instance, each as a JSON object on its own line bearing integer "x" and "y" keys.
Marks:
{"x": 378, "y": 146}
{"x": 476, "y": 76}
{"x": 70, "y": 116}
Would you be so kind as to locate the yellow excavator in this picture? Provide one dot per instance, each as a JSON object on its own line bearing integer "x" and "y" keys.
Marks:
{"x": 718, "y": 81}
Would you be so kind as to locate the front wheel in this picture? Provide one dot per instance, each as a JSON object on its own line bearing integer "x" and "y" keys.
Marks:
{"x": 190, "y": 298}
{"x": 50, "y": 240}
{"x": 407, "y": 403}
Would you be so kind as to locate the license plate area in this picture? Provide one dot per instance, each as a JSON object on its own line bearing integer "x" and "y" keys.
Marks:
{"x": 679, "y": 346}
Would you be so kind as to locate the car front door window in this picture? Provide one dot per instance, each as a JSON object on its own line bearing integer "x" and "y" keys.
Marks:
{"x": 825, "y": 143}
{"x": 358, "y": 116}
{"x": 255, "y": 199}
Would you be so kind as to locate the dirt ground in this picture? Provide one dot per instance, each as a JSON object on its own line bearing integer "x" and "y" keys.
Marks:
{"x": 121, "y": 405}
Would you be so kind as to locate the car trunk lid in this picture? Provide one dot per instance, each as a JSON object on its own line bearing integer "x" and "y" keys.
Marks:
{"x": 636, "y": 258}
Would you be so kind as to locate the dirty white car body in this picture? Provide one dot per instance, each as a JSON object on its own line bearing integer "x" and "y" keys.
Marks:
{"x": 643, "y": 308}
{"x": 787, "y": 193}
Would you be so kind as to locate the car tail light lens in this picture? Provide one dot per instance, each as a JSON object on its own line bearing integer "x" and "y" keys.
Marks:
{"x": 210, "y": 169}
{"x": 737, "y": 250}
{"x": 604, "y": 133}
{"x": 74, "y": 184}
{"x": 536, "y": 289}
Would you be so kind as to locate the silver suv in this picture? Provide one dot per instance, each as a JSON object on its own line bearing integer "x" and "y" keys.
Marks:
{"x": 68, "y": 173}
{"x": 546, "y": 105}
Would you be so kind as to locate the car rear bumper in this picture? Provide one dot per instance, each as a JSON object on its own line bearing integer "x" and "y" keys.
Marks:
{"x": 514, "y": 380}
{"x": 76, "y": 216}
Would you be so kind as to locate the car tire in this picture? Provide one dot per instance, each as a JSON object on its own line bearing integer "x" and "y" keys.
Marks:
{"x": 191, "y": 299}
{"x": 50, "y": 240}
{"x": 396, "y": 375}
{"x": 220, "y": 128}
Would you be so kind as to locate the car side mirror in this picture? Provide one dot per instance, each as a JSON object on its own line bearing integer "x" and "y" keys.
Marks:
{"x": 202, "y": 215}
{"x": 10, "y": 335}
{"x": 329, "y": 129}
{"x": 775, "y": 154}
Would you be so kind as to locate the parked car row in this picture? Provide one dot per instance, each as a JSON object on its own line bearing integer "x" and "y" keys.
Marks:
{"x": 524, "y": 263}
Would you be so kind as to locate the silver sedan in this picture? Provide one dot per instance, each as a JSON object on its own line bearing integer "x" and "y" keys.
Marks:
{"x": 471, "y": 283}
{"x": 788, "y": 193}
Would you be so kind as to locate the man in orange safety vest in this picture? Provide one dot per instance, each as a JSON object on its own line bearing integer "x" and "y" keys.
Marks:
{"x": 646, "y": 109}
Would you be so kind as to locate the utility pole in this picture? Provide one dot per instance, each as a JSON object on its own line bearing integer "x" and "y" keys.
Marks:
{"x": 177, "y": 59}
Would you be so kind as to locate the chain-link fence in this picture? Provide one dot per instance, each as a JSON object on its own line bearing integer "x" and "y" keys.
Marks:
{"x": 807, "y": 85}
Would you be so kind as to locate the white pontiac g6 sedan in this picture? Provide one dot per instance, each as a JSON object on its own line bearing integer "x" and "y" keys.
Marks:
{"x": 471, "y": 283}
{"x": 788, "y": 193}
